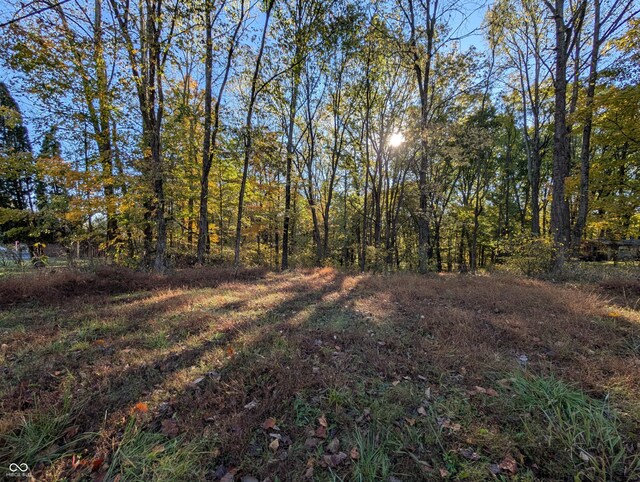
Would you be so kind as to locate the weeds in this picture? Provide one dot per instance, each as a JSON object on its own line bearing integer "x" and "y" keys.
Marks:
{"x": 374, "y": 463}
{"x": 582, "y": 433}
{"x": 40, "y": 438}
{"x": 142, "y": 456}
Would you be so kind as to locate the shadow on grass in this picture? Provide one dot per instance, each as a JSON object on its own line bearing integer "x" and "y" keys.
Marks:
{"x": 321, "y": 338}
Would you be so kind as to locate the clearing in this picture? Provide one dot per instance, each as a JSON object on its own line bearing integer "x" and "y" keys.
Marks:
{"x": 317, "y": 375}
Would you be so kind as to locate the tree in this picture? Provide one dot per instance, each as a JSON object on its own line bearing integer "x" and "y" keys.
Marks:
{"x": 212, "y": 124}
{"x": 566, "y": 35}
{"x": 247, "y": 134}
{"x": 605, "y": 24}
{"x": 147, "y": 51}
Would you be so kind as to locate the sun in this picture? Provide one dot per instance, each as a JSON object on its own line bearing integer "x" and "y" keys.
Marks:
{"x": 396, "y": 139}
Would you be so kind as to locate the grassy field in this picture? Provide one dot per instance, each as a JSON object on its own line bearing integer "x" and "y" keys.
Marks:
{"x": 318, "y": 375}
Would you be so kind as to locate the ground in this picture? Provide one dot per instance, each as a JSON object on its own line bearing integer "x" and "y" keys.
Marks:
{"x": 317, "y": 375}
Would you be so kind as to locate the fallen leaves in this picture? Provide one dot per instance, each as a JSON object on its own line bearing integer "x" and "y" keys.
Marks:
{"x": 334, "y": 460}
{"x": 446, "y": 423}
{"x": 469, "y": 454}
{"x": 251, "y": 405}
{"x": 334, "y": 446}
{"x": 509, "y": 465}
{"x": 140, "y": 407}
{"x": 321, "y": 431}
{"x": 170, "y": 428}
{"x": 354, "y": 453}
{"x": 482, "y": 391}
{"x": 269, "y": 424}
{"x": 274, "y": 445}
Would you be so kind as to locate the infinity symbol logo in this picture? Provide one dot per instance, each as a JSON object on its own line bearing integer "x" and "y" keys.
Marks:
{"x": 18, "y": 467}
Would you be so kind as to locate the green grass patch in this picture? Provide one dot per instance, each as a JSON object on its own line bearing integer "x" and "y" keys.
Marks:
{"x": 40, "y": 438}
{"x": 570, "y": 433}
{"x": 147, "y": 456}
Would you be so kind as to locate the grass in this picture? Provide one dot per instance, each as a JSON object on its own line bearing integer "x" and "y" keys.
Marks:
{"x": 586, "y": 430}
{"x": 115, "y": 375}
{"x": 43, "y": 436}
{"x": 142, "y": 456}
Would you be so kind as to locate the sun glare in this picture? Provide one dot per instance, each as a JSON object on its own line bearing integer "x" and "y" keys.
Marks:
{"x": 396, "y": 139}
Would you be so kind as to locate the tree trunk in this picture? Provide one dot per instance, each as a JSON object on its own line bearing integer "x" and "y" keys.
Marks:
{"x": 248, "y": 146}
{"x": 585, "y": 153}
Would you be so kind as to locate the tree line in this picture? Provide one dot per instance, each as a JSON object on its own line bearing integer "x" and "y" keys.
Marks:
{"x": 389, "y": 135}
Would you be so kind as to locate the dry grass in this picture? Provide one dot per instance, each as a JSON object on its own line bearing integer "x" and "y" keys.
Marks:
{"x": 213, "y": 356}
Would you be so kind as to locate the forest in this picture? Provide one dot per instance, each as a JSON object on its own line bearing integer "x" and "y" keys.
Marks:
{"x": 320, "y": 240}
{"x": 384, "y": 136}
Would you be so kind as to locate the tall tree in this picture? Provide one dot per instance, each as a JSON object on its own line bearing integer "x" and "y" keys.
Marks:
{"x": 566, "y": 35}
{"x": 247, "y": 131}
{"x": 147, "y": 49}
{"x": 605, "y": 24}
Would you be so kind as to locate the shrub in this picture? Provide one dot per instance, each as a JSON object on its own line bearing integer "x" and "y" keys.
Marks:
{"x": 531, "y": 255}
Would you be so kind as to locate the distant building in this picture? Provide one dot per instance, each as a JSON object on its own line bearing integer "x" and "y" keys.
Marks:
{"x": 608, "y": 250}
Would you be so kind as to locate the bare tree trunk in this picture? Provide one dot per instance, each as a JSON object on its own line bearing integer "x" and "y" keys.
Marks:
{"x": 211, "y": 132}
{"x": 565, "y": 36}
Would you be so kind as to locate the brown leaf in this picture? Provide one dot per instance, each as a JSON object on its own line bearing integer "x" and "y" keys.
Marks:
{"x": 311, "y": 442}
{"x": 422, "y": 411}
{"x": 230, "y": 351}
{"x": 321, "y": 432}
{"x": 169, "y": 428}
{"x": 509, "y": 464}
{"x": 269, "y": 423}
{"x": 446, "y": 423}
{"x": 96, "y": 464}
{"x": 140, "y": 407}
{"x": 334, "y": 460}
{"x": 323, "y": 421}
{"x": 469, "y": 454}
{"x": 354, "y": 454}
{"x": 333, "y": 446}
{"x": 229, "y": 476}
{"x": 444, "y": 473}
{"x": 274, "y": 445}
{"x": 491, "y": 392}
{"x": 410, "y": 421}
